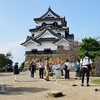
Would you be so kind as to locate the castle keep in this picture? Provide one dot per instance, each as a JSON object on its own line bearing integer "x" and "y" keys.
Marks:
{"x": 50, "y": 34}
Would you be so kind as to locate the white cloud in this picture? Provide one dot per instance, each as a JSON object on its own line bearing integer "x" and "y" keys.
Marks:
{"x": 16, "y": 49}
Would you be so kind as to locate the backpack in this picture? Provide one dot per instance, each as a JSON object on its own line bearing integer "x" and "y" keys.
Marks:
{"x": 88, "y": 65}
{"x": 65, "y": 67}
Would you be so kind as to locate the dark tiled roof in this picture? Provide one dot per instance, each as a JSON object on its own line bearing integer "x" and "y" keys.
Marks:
{"x": 30, "y": 38}
{"x": 27, "y": 39}
{"x": 47, "y": 39}
{"x": 60, "y": 39}
{"x": 49, "y": 10}
{"x": 55, "y": 34}
{"x": 35, "y": 29}
{"x": 47, "y": 18}
{"x": 42, "y": 27}
{"x": 43, "y": 39}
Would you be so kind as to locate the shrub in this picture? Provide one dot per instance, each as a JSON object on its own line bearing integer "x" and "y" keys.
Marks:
{"x": 97, "y": 66}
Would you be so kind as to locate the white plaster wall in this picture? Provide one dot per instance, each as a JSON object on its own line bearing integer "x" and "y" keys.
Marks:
{"x": 47, "y": 34}
{"x": 64, "y": 43}
{"x": 56, "y": 31}
{"x": 44, "y": 45}
{"x": 51, "y": 15}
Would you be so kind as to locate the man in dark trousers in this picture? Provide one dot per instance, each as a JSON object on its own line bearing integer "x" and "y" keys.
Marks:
{"x": 85, "y": 65}
{"x": 16, "y": 71}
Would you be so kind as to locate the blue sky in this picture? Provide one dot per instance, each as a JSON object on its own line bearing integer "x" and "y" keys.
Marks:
{"x": 16, "y": 18}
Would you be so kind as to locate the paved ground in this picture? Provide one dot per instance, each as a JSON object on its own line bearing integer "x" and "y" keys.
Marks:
{"x": 36, "y": 89}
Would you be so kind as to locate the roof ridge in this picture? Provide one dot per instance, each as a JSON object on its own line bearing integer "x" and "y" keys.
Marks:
{"x": 50, "y": 10}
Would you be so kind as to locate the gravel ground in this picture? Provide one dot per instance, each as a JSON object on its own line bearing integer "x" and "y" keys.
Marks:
{"x": 36, "y": 89}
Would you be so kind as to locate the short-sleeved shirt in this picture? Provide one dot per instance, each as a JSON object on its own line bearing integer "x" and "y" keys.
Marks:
{"x": 68, "y": 65}
{"x": 40, "y": 65}
{"x": 85, "y": 61}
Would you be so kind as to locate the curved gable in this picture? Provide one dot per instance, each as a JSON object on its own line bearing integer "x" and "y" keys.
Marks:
{"x": 47, "y": 33}
{"x": 30, "y": 40}
{"x": 63, "y": 42}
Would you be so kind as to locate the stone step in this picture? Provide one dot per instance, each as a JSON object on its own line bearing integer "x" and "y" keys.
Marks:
{"x": 55, "y": 94}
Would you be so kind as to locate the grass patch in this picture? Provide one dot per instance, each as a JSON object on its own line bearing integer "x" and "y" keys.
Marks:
{"x": 96, "y": 81}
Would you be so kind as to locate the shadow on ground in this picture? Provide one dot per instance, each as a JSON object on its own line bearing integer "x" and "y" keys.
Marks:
{"x": 22, "y": 90}
{"x": 6, "y": 74}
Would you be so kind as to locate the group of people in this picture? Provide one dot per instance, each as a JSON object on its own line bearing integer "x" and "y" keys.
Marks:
{"x": 41, "y": 66}
{"x": 82, "y": 67}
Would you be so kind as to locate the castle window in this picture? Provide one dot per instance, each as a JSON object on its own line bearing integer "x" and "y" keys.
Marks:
{"x": 47, "y": 51}
{"x": 59, "y": 34}
{"x": 49, "y": 15}
{"x": 32, "y": 35}
{"x": 60, "y": 47}
{"x": 55, "y": 24}
{"x": 34, "y": 51}
{"x": 43, "y": 24}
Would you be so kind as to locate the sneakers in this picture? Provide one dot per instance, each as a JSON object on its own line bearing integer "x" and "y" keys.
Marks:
{"x": 82, "y": 85}
{"x": 47, "y": 79}
{"x": 88, "y": 85}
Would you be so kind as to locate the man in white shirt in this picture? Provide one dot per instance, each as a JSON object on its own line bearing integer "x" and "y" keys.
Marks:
{"x": 67, "y": 67}
{"x": 85, "y": 65}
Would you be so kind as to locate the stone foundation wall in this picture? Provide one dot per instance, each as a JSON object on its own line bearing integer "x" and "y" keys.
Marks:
{"x": 36, "y": 58}
{"x": 62, "y": 55}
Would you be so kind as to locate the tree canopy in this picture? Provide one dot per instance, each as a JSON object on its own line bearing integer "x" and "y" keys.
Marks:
{"x": 91, "y": 45}
{"x": 4, "y": 61}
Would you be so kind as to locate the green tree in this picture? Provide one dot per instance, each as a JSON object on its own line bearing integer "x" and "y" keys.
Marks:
{"x": 22, "y": 66}
{"x": 4, "y": 61}
{"x": 91, "y": 45}
{"x": 97, "y": 66}
{"x": 9, "y": 55}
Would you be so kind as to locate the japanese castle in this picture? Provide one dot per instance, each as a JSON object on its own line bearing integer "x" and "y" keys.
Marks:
{"x": 50, "y": 34}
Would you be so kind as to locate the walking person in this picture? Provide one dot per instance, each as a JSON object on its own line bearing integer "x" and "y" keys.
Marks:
{"x": 66, "y": 68}
{"x": 47, "y": 68}
{"x": 41, "y": 68}
{"x": 32, "y": 68}
{"x": 16, "y": 71}
{"x": 86, "y": 65}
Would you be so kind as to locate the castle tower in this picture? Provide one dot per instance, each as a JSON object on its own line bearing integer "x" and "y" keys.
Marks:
{"x": 50, "y": 34}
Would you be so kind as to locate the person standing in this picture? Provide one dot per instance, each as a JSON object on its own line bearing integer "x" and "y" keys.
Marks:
{"x": 16, "y": 71}
{"x": 77, "y": 69}
{"x": 57, "y": 69}
{"x": 41, "y": 68}
{"x": 85, "y": 65}
{"x": 47, "y": 68}
{"x": 66, "y": 68}
{"x": 32, "y": 68}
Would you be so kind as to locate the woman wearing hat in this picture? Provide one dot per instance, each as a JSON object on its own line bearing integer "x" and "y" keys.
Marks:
{"x": 16, "y": 71}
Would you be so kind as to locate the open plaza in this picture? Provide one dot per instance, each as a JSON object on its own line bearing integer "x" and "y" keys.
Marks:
{"x": 35, "y": 89}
